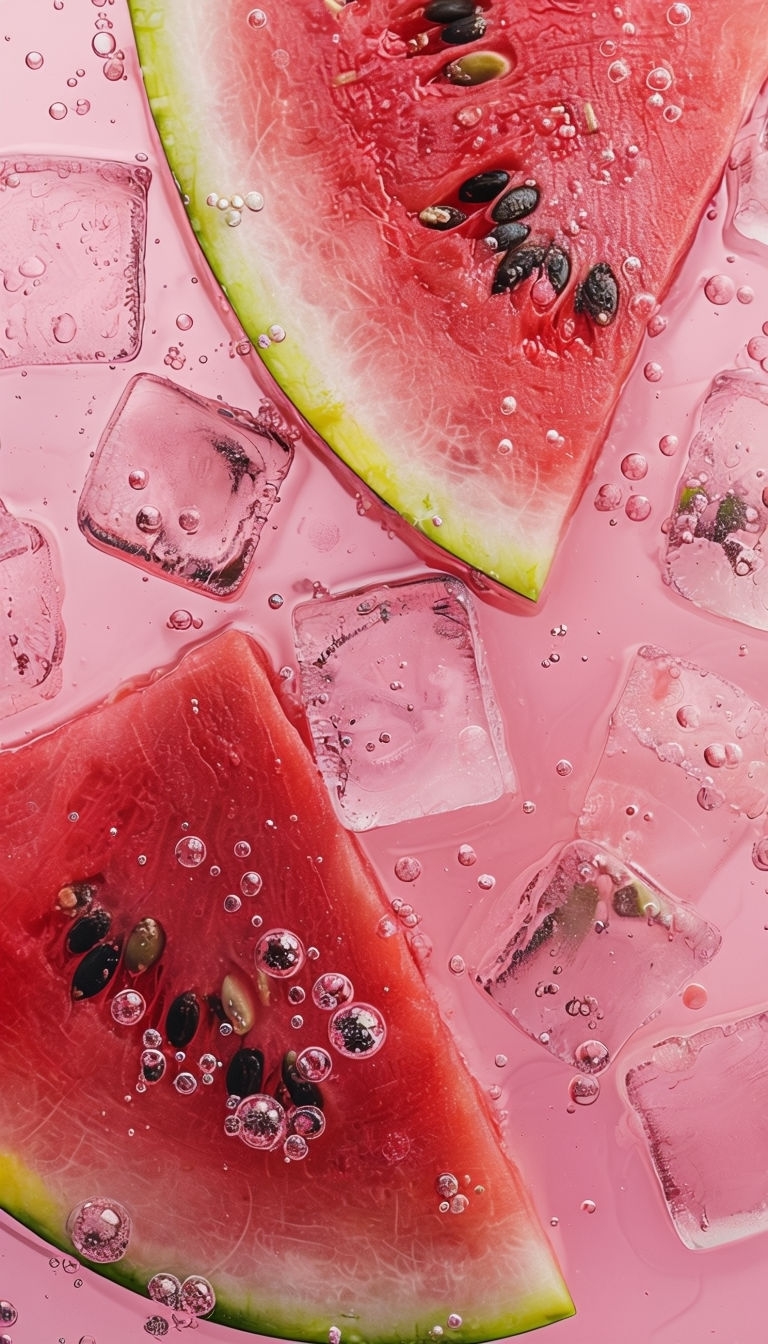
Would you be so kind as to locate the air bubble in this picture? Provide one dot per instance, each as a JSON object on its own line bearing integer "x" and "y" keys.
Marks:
{"x": 232, "y": 904}
{"x": 457, "y": 965}
{"x": 454, "y": 1321}
{"x": 407, "y": 869}
{"x": 103, "y": 44}
{"x": 197, "y": 1296}
{"x": 719, "y": 289}
{"x": 564, "y": 768}
{"x": 678, "y": 15}
{"x": 185, "y": 1083}
{"x": 308, "y": 1121}
{"x": 357, "y": 1030}
{"x": 279, "y": 953}
{"x": 242, "y": 849}
{"x": 257, "y": 19}
{"x": 659, "y": 79}
{"x": 189, "y": 520}
{"x": 607, "y": 498}
{"x": 446, "y": 1185}
{"x": 459, "y": 1204}
{"x": 190, "y": 851}
{"x": 592, "y": 1056}
{"x": 164, "y": 1288}
{"x": 314, "y": 1063}
{"x": 332, "y": 990}
{"x": 694, "y": 996}
{"x": 508, "y": 405}
{"x": 584, "y": 1091}
{"x": 100, "y": 1230}
{"x": 618, "y": 71}
{"x": 275, "y": 601}
{"x": 295, "y": 1148}
{"x": 251, "y": 884}
{"x": 486, "y": 881}
{"x": 138, "y": 479}
{"x": 149, "y": 519}
{"x": 668, "y": 445}
{"x": 128, "y": 1007}
{"x": 466, "y": 856}
{"x": 653, "y": 372}
{"x": 33, "y": 60}
{"x": 634, "y": 466}
{"x": 8, "y": 1313}
{"x": 637, "y": 508}
{"x": 262, "y": 1120}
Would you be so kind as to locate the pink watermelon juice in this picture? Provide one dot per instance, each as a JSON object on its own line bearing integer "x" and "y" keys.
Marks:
{"x": 71, "y": 89}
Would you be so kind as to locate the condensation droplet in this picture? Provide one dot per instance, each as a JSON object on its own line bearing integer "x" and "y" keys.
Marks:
{"x": 407, "y": 869}
{"x": 466, "y": 856}
{"x": 653, "y": 372}
{"x": 719, "y": 289}
{"x": 637, "y": 508}
{"x": 634, "y": 466}
{"x": 33, "y": 59}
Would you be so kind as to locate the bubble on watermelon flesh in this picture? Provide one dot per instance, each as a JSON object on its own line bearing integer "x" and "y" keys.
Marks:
{"x": 197, "y": 1296}
{"x": 250, "y": 883}
{"x": 308, "y": 1121}
{"x": 720, "y": 509}
{"x": 314, "y": 1063}
{"x": 403, "y": 717}
{"x": 128, "y": 1007}
{"x": 72, "y": 289}
{"x": 587, "y": 943}
{"x": 702, "y": 1100}
{"x": 262, "y": 1122}
{"x": 164, "y": 1288}
{"x": 202, "y": 514}
{"x": 357, "y": 1030}
{"x": 100, "y": 1230}
{"x": 331, "y": 991}
{"x": 30, "y": 603}
{"x": 279, "y": 953}
{"x": 295, "y": 1148}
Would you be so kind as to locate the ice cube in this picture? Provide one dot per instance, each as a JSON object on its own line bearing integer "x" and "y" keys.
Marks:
{"x": 403, "y": 717}
{"x": 747, "y": 178}
{"x": 715, "y": 552}
{"x": 30, "y": 607}
{"x": 684, "y": 771}
{"x": 72, "y": 260}
{"x": 587, "y": 953}
{"x": 182, "y": 485}
{"x": 703, "y": 1101}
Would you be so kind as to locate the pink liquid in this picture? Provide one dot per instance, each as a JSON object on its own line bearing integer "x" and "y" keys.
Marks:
{"x": 630, "y": 1276}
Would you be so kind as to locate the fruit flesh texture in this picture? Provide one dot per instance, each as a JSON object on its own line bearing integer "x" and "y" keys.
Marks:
{"x": 351, "y": 1235}
{"x": 397, "y": 351}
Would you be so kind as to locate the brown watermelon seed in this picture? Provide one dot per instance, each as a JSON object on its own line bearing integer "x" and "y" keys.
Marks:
{"x": 516, "y": 204}
{"x": 483, "y": 187}
{"x": 238, "y": 1002}
{"x": 598, "y": 296}
{"x": 505, "y": 236}
{"x": 448, "y": 11}
{"x": 441, "y": 217}
{"x": 477, "y": 67}
{"x": 95, "y": 971}
{"x": 75, "y": 897}
{"x": 465, "y": 30}
{"x": 87, "y": 931}
{"x": 557, "y": 264}
{"x": 183, "y": 1019}
{"x": 516, "y": 266}
{"x": 144, "y": 946}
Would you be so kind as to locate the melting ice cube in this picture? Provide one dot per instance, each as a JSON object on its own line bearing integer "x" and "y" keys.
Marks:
{"x": 748, "y": 178}
{"x": 703, "y": 1101}
{"x": 30, "y": 608}
{"x": 399, "y": 702}
{"x": 587, "y": 953}
{"x": 684, "y": 771}
{"x": 182, "y": 485}
{"x": 72, "y": 262}
{"x": 715, "y": 553}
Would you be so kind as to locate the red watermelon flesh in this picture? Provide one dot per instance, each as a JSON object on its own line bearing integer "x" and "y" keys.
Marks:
{"x": 353, "y": 1235}
{"x": 477, "y": 414}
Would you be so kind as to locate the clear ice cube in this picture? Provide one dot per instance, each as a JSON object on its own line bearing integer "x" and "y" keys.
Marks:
{"x": 703, "y": 1101}
{"x": 403, "y": 717}
{"x": 182, "y": 485}
{"x": 30, "y": 605}
{"x": 588, "y": 952}
{"x": 747, "y": 179}
{"x": 72, "y": 264}
{"x": 715, "y": 554}
{"x": 684, "y": 772}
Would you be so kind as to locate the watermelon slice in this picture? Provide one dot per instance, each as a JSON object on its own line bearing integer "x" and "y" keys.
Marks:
{"x": 466, "y": 225}
{"x": 377, "y": 1200}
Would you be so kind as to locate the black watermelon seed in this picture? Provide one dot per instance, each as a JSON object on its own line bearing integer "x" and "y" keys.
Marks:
{"x": 516, "y": 204}
{"x": 516, "y": 266}
{"x": 441, "y": 217}
{"x": 95, "y": 970}
{"x": 87, "y": 931}
{"x": 626, "y": 902}
{"x": 183, "y": 1019}
{"x": 505, "y": 236}
{"x": 245, "y": 1073}
{"x": 448, "y": 11}
{"x": 301, "y": 1091}
{"x": 483, "y": 186}
{"x": 464, "y": 30}
{"x": 598, "y": 297}
{"x": 557, "y": 264}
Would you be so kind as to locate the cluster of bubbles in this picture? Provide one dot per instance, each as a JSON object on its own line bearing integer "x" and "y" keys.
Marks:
{"x": 194, "y": 1295}
{"x": 261, "y": 1122}
{"x": 449, "y": 1194}
{"x": 232, "y": 207}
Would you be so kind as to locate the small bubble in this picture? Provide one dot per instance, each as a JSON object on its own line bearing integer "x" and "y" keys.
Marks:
{"x": 190, "y": 851}
{"x": 332, "y": 990}
{"x": 608, "y": 498}
{"x": 678, "y": 15}
{"x": 564, "y": 768}
{"x": 486, "y": 881}
{"x": 253, "y": 200}
{"x": 634, "y": 466}
{"x": 189, "y": 520}
{"x": 232, "y": 904}
{"x": 185, "y": 1083}
{"x": 128, "y": 1007}
{"x": 672, "y": 113}
{"x": 591, "y": 1056}
{"x": 100, "y": 1230}
{"x": 33, "y": 59}
{"x": 508, "y": 405}
{"x": 164, "y": 1288}
{"x": 466, "y": 856}
{"x": 637, "y": 508}
{"x": 659, "y": 79}
{"x": 295, "y": 1147}
{"x": 197, "y": 1296}
{"x": 669, "y": 444}
{"x": 454, "y": 1321}
{"x": 276, "y": 333}
{"x": 584, "y": 1091}
{"x": 657, "y": 325}
{"x": 588, "y": 1206}
{"x": 447, "y": 1185}
{"x": 653, "y": 372}
{"x": 459, "y": 1204}
{"x": 275, "y": 601}
{"x": 103, "y": 44}
{"x": 618, "y": 71}
{"x": 745, "y": 294}
{"x": 138, "y": 479}
{"x": 58, "y": 111}
{"x": 529, "y": 807}
{"x": 297, "y": 1021}
{"x": 719, "y": 289}
{"x": 694, "y": 996}
{"x": 296, "y": 994}
{"x": 257, "y": 19}
{"x": 262, "y": 1120}
{"x": 709, "y": 799}
{"x": 501, "y": 1061}
{"x": 149, "y": 519}
{"x": 180, "y": 619}
{"x": 241, "y": 849}
{"x": 251, "y": 884}
{"x": 184, "y": 322}
{"x": 314, "y": 1063}
{"x": 279, "y": 953}
{"x": 387, "y": 927}
{"x": 152, "y": 1039}
{"x": 281, "y": 58}
{"x": 8, "y": 1313}
{"x": 457, "y": 965}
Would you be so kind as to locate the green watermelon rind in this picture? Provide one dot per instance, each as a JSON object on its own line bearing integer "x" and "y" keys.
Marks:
{"x": 196, "y": 164}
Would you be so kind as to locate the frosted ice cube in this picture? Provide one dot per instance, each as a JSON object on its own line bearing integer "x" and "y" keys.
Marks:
{"x": 747, "y": 178}
{"x": 587, "y": 953}
{"x": 715, "y": 553}
{"x": 684, "y": 771}
{"x": 403, "y": 717}
{"x": 703, "y": 1101}
{"x": 30, "y": 608}
{"x": 182, "y": 485}
{"x": 72, "y": 261}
